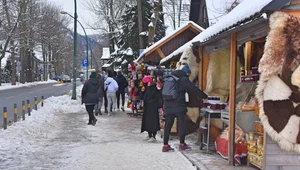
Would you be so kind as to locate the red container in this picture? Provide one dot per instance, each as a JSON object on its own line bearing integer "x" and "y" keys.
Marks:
{"x": 255, "y": 77}
{"x": 205, "y": 104}
{"x": 214, "y": 106}
{"x": 222, "y": 106}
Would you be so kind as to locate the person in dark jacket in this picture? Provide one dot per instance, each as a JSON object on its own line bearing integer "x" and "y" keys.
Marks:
{"x": 177, "y": 108}
{"x": 89, "y": 95}
{"x": 150, "y": 120}
{"x": 122, "y": 82}
{"x": 100, "y": 93}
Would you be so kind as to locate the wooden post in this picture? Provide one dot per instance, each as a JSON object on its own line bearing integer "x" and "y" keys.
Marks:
{"x": 15, "y": 113}
{"x": 200, "y": 74}
{"x": 232, "y": 89}
{"x": 249, "y": 46}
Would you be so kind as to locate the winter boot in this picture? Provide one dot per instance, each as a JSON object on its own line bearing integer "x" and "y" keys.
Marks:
{"x": 94, "y": 121}
{"x": 184, "y": 147}
{"x": 167, "y": 148}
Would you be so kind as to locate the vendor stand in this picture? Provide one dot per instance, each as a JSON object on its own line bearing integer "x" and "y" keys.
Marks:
{"x": 263, "y": 152}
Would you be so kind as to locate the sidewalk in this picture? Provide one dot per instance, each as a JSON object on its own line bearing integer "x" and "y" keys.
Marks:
{"x": 114, "y": 143}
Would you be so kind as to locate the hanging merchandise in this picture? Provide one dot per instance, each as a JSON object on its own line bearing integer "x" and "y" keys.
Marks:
{"x": 278, "y": 88}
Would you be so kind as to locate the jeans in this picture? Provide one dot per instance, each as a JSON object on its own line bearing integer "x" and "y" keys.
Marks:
{"x": 111, "y": 101}
{"x": 122, "y": 93}
{"x": 169, "y": 121}
{"x": 90, "y": 109}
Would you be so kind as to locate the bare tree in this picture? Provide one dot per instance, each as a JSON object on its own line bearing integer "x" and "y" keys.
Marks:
{"x": 108, "y": 14}
{"x": 176, "y": 11}
{"x": 10, "y": 29}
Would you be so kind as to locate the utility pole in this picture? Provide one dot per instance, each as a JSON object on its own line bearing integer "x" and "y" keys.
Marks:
{"x": 140, "y": 20}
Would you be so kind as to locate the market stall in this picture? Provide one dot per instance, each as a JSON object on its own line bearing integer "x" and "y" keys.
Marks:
{"x": 267, "y": 121}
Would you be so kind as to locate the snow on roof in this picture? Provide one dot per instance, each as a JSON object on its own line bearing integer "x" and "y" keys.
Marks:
{"x": 106, "y": 65}
{"x": 243, "y": 11}
{"x": 128, "y": 51}
{"x": 105, "y": 53}
{"x": 166, "y": 37}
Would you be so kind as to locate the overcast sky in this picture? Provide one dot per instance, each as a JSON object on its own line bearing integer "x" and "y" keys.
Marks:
{"x": 84, "y": 15}
{"x": 87, "y": 17}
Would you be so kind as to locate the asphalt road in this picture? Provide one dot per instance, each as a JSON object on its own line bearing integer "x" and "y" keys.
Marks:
{"x": 15, "y": 96}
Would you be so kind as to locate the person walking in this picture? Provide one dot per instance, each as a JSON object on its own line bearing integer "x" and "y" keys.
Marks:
{"x": 110, "y": 87}
{"x": 122, "y": 82}
{"x": 104, "y": 76}
{"x": 150, "y": 120}
{"x": 89, "y": 95}
{"x": 177, "y": 108}
{"x": 100, "y": 93}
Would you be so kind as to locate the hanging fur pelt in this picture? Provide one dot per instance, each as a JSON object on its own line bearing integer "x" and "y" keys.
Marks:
{"x": 278, "y": 88}
{"x": 188, "y": 57}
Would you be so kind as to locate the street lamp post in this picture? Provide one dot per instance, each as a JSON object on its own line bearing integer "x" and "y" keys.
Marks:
{"x": 87, "y": 42}
{"x": 75, "y": 48}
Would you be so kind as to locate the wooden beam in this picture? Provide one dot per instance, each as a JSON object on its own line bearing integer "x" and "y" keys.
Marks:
{"x": 200, "y": 74}
{"x": 232, "y": 90}
{"x": 171, "y": 37}
{"x": 249, "y": 46}
{"x": 161, "y": 54}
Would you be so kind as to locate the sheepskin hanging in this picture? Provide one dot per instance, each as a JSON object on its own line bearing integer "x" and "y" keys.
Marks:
{"x": 278, "y": 88}
{"x": 190, "y": 59}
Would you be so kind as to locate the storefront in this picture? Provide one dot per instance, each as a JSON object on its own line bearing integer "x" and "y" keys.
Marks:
{"x": 239, "y": 41}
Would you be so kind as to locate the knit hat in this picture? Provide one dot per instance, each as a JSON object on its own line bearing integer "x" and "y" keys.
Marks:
{"x": 186, "y": 69}
{"x": 147, "y": 79}
{"x": 93, "y": 75}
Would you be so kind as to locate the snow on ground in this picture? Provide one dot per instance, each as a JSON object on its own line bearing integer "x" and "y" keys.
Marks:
{"x": 5, "y": 86}
{"x": 57, "y": 136}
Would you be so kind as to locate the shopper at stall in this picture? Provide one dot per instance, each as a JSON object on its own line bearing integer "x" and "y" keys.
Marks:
{"x": 89, "y": 95}
{"x": 177, "y": 107}
{"x": 122, "y": 82}
{"x": 111, "y": 87}
{"x": 150, "y": 120}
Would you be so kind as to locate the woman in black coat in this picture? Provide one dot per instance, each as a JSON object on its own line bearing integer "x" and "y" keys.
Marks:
{"x": 89, "y": 96}
{"x": 150, "y": 120}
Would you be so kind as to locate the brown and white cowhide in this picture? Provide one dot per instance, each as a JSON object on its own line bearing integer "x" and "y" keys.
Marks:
{"x": 278, "y": 88}
{"x": 190, "y": 57}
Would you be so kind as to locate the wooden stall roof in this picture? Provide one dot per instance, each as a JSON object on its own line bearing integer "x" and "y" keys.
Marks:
{"x": 169, "y": 43}
{"x": 218, "y": 36}
{"x": 254, "y": 20}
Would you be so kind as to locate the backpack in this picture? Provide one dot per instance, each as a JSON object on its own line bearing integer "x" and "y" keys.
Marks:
{"x": 170, "y": 89}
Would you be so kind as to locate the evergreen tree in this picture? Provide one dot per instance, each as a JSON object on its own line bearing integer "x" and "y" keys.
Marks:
{"x": 129, "y": 38}
{"x": 8, "y": 71}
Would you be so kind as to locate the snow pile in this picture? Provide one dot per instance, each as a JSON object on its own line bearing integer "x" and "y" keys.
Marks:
{"x": 20, "y": 136}
{"x": 5, "y": 86}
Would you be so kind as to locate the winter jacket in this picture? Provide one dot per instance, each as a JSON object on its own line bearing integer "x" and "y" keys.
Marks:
{"x": 111, "y": 84}
{"x": 122, "y": 82}
{"x": 185, "y": 85}
{"x": 101, "y": 86}
{"x": 89, "y": 93}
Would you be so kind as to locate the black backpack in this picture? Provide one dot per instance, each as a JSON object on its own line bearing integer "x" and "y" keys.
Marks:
{"x": 170, "y": 89}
